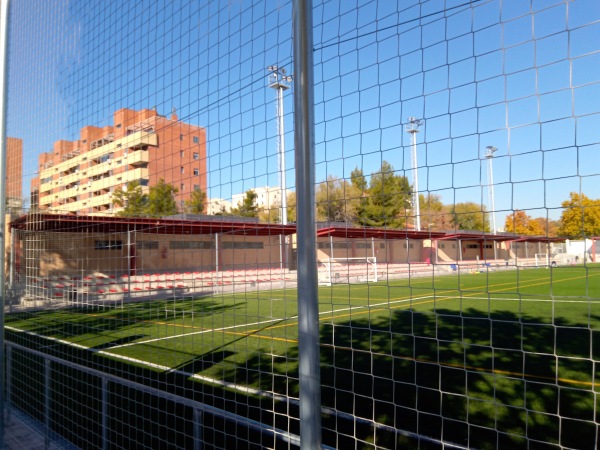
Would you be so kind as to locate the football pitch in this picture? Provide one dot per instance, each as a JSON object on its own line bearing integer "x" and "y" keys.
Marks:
{"x": 514, "y": 350}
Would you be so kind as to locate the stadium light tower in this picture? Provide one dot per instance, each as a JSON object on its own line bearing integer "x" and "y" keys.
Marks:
{"x": 412, "y": 127}
{"x": 489, "y": 154}
{"x": 279, "y": 81}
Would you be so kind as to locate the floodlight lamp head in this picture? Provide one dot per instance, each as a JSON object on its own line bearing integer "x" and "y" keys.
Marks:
{"x": 413, "y": 125}
{"x": 490, "y": 151}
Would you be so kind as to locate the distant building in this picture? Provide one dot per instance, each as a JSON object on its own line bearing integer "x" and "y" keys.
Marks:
{"x": 79, "y": 177}
{"x": 267, "y": 197}
{"x": 216, "y": 206}
{"x": 14, "y": 172}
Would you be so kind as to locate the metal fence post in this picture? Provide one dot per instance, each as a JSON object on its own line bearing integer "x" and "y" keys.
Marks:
{"x": 105, "y": 443}
{"x": 47, "y": 400}
{"x": 4, "y": 23}
{"x": 198, "y": 419}
{"x": 308, "y": 311}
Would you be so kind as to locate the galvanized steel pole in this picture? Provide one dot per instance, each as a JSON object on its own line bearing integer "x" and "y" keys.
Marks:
{"x": 4, "y": 22}
{"x": 308, "y": 313}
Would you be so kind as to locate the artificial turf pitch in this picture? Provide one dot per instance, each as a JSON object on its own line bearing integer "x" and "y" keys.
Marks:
{"x": 514, "y": 351}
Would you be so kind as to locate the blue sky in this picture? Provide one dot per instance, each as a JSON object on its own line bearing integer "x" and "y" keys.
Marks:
{"x": 523, "y": 76}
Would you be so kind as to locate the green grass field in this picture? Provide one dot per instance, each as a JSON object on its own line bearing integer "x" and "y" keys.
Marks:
{"x": 517, "y": 352}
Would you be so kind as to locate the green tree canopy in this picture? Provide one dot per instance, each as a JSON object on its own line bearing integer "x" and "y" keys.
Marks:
{"x": 161, "y": 199}
{"x": 470, "y": 216}
{"x": 520, "y": 223}
{"x": 388, "y": 199}
{"x": 248, "y": 207}
{"x": 580, "y": 216}
{"x": 133, "y": 200}
{"x": 336, "y": 201}
{"x": 197, "y": 202}
{"x": 434, "y": 214}
{"x": 291, "y": 207}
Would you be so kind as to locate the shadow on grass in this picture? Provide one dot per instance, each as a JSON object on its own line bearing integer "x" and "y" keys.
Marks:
{"x": 482, "y": 381}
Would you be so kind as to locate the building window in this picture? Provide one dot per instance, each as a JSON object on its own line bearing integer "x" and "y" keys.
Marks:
{"x": 182, "y": 187}
{"x": 181, "y": 153}
{"x": 196, "y": 187}
{"x": 196, "y": 156}
{"x": 108, "y": 245}
{"x": 196, "y": 140}
{"x": 472, "y": 246}
{"x": 181, "y": 137}
{"x": 118, "y": 125}
{"x": 241, "y": 245}
{"x": 181, "y": 169}
{"x": 147, "y": 245}
{"x": 181, "y": 245}
{"x": 196, "y": 172}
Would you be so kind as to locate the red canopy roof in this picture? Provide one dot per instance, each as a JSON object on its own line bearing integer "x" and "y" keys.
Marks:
{"x": 112, "y": 224}
{"x": 377, "y": 233}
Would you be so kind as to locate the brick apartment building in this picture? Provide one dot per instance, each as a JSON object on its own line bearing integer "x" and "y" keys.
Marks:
{"x": 78, "y": 177}
{"x": 14, "y": 172}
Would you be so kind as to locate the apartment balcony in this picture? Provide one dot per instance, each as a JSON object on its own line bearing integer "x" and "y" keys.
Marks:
{"x": 134, "y": 141}
{"x": 136, "y": 158}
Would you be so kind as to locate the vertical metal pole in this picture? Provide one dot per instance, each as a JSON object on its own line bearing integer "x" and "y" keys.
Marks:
{"x": 198, "y": 418}
{"x": 217, "y": 254}
{"x": 417, "y": 206}
{"x": 9, "y": 358}
{"x": 282, "y": 181}
{"x": 374, "y": 258}
{"x": 128, "y": 295}
{"x": 4, "y": 37}
{"x": 281, "y": 245}
{"x": 105, "y": 443}
{"x": 308, "y": 299}
{"x": 282, "y": 186}
{"x": 11, "y": 260}
{"x": 47, "y": 400}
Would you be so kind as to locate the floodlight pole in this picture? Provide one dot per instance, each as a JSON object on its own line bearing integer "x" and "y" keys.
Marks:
{"x": 279, "y": 81}
{"x": 412, "y": 127}
{"x": 489, "y": 154}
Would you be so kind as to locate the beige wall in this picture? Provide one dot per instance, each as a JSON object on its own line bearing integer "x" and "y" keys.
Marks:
{"x": 391, "y": 251}
{"x": 79, "y": 253}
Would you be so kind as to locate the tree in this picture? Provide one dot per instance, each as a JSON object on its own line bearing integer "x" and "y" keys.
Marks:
{"x": 133, "y": 200}
{"x": 291, "y": 207}
{"x": 333, "y": 202}
{"x": 549, "y": 227}
{"x": 197, "y": 202}
{"x": 248, "y": 207}
{"x": 272, "y": 214}
{"x": 388, "y": 200}
{"x": 470, "y": 216}
{"x": 434, "y": 214}
{"x": 161, "y": 199}
{"x": 580, "y": 216}
{"x": 520, "y": 223}
{"x": 358, "y": 195}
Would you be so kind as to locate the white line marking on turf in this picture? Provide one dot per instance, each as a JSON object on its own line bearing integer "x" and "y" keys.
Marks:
{"x": 211, "y": 330}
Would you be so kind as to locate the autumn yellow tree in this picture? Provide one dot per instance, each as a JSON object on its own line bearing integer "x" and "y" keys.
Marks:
{"x": 549, "y": 227}
{"x": 520, "y": 223}
{"x": 580, "y": 216}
